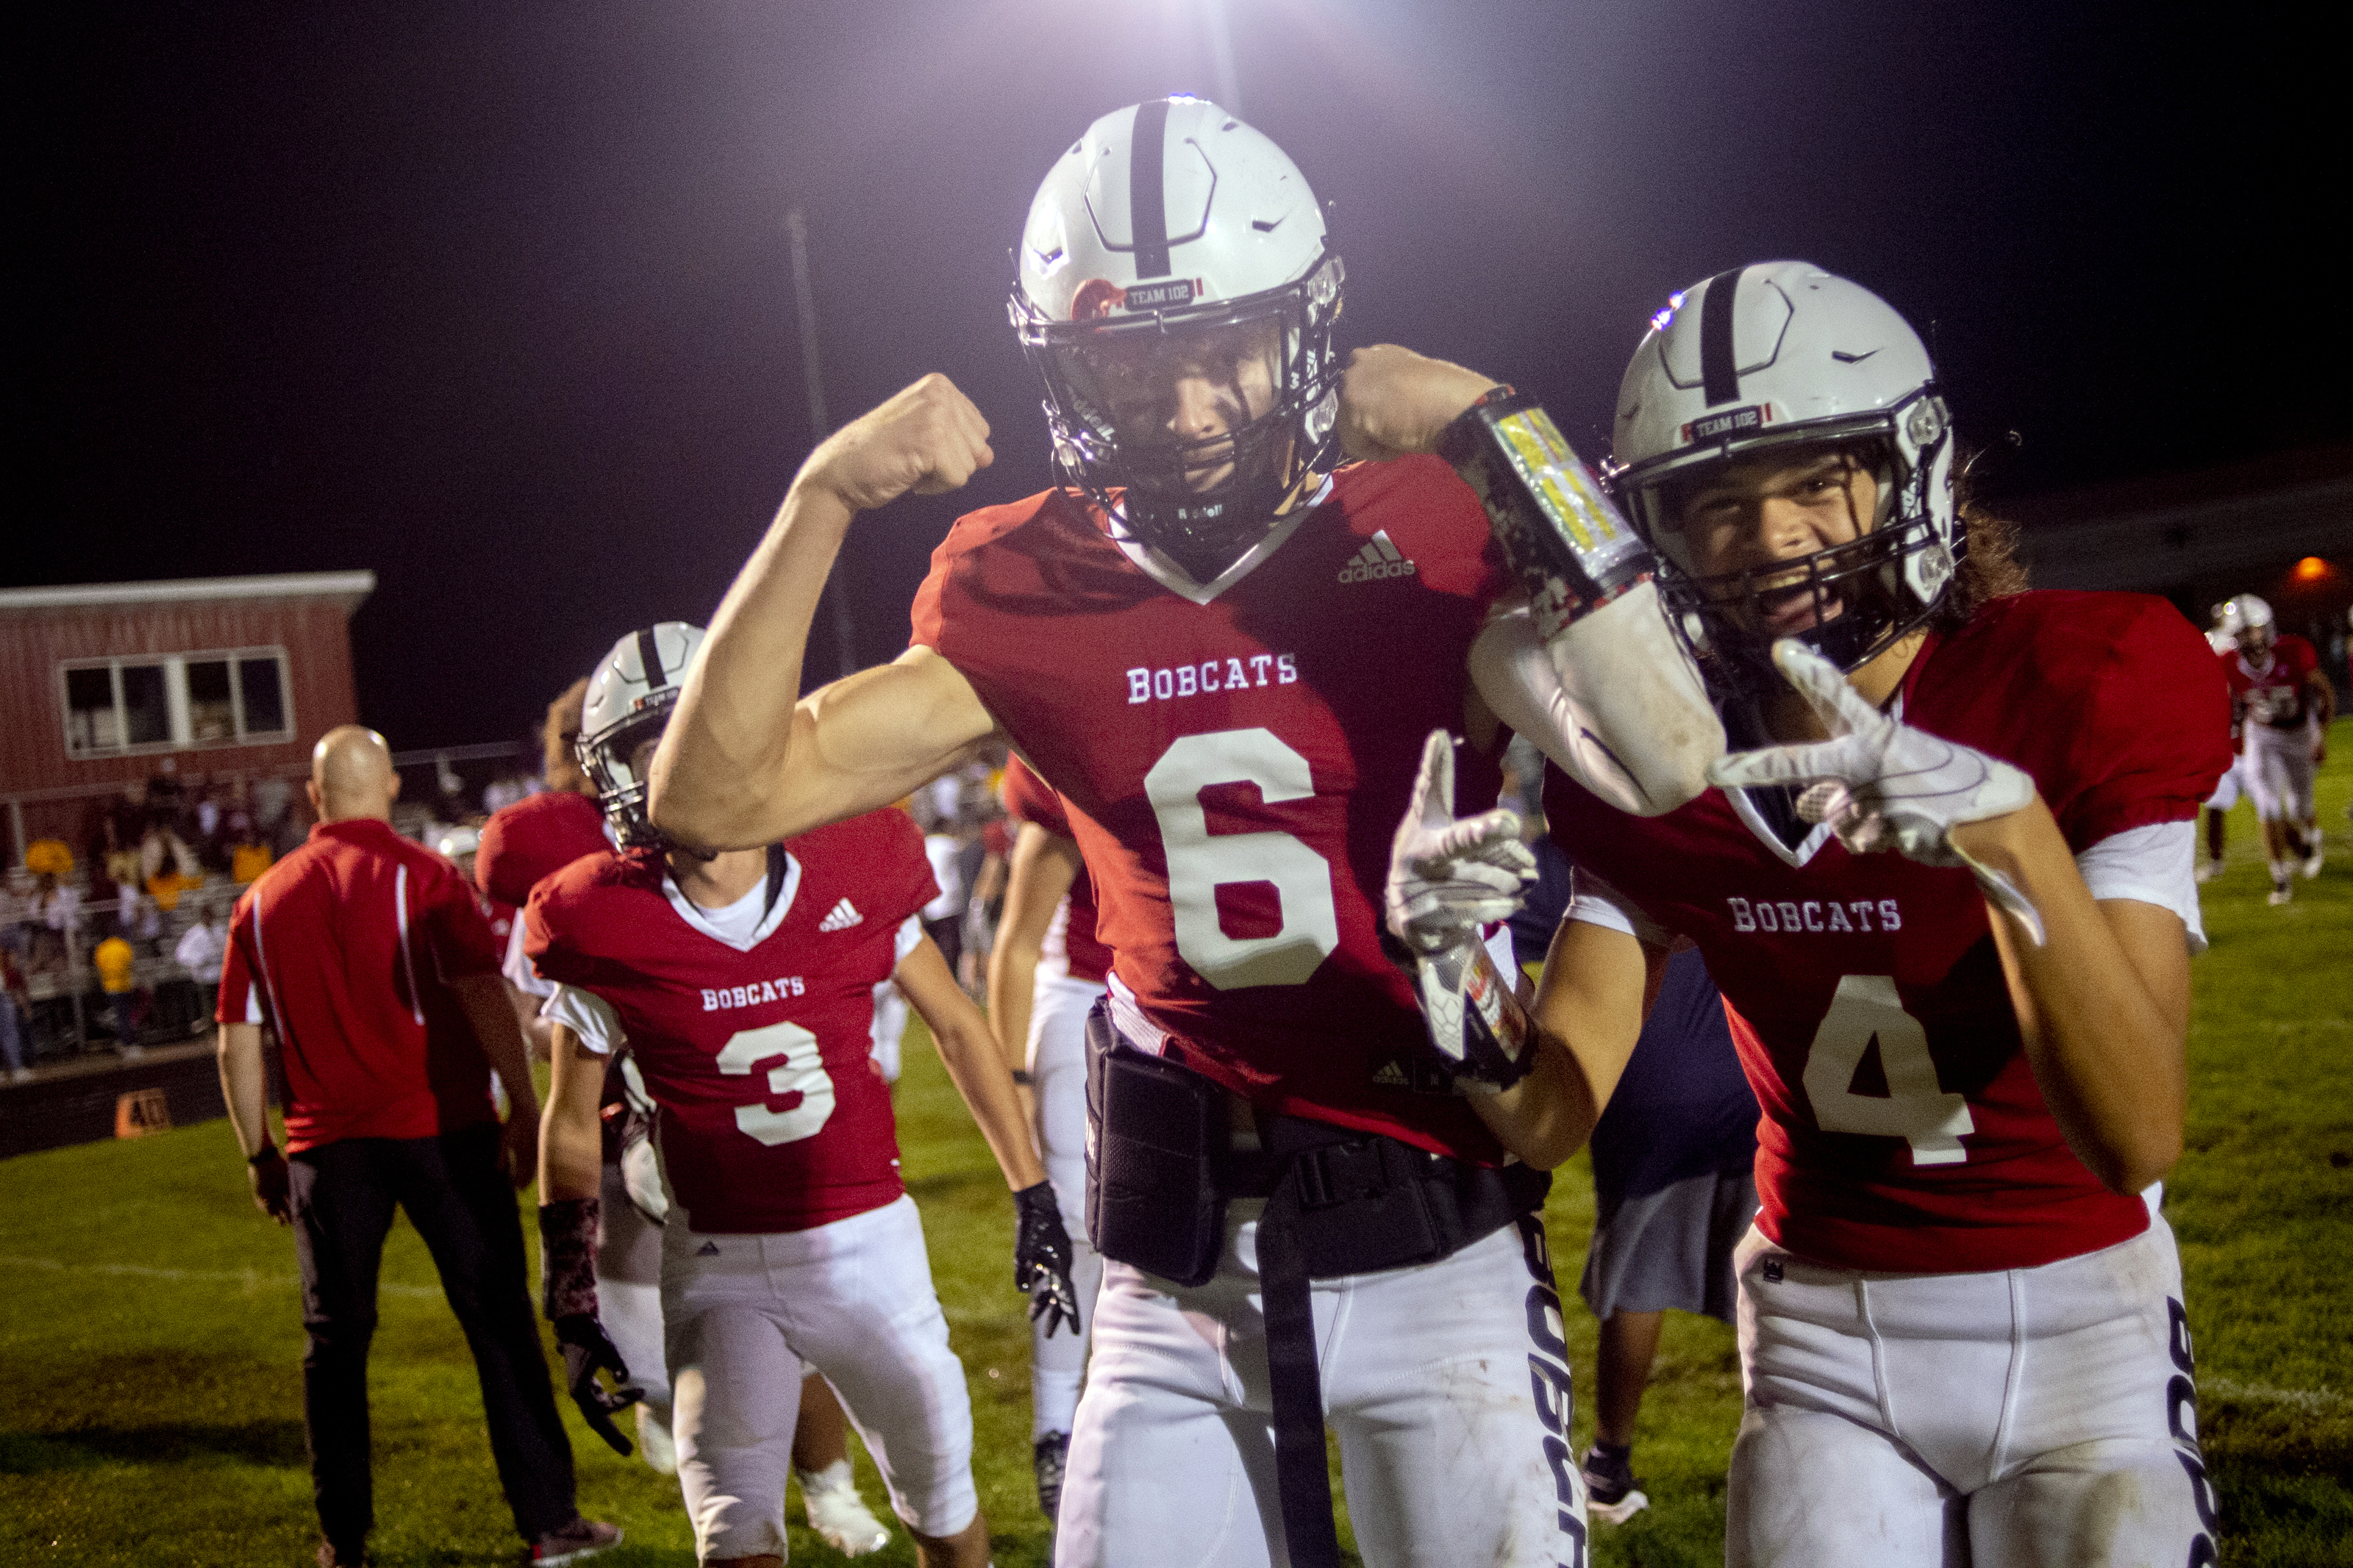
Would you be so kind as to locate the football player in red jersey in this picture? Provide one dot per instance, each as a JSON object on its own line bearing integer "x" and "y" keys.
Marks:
{"x": 2283, "y": 704}
{"x": 1224, "y": 654}
{"x": 1046, "y": 973}
{"x": 743, "y": 985}
{"x": 1961, "y": 1327}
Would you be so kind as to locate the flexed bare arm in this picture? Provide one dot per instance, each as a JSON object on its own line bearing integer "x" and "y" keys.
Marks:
{"x": 746, "y": 761}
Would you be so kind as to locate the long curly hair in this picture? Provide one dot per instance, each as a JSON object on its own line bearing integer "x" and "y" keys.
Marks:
{"x": 555, "y": 737}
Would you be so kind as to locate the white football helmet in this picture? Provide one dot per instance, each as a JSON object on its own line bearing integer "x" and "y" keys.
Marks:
{"x": 629, "y": 700}
{"x": 1172, "y": 233}
{"x": 2257, "y": 628}
{"x": 2223, "y": 635}
{"x": 1782, "y": 354}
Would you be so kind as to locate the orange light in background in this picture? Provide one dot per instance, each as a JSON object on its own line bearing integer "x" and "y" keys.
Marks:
{"x": 2312, "y": 569}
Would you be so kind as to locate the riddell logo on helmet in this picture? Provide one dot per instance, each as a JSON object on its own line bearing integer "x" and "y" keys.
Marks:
{"x": 1376, "y": 560}
{"x": 1731, "y": 422}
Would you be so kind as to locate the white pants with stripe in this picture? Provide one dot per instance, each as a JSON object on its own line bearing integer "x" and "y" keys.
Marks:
{"x": 747, "y": 1316}
{"x": 1448, "y": 1384}
{"x": 2279, "y": 772}
{"x": 2029, "y": 1416}
{"x": 1057, "y": 1070}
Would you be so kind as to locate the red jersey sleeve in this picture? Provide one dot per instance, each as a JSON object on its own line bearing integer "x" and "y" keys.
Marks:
{"x": 534, "y": 838}
{"x": 241, "y": 998}
{"x": 1028, "y": 798}
{"x": 902, "y": 866}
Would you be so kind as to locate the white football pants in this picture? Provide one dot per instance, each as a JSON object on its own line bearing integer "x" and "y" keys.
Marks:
{"x": 1447, "y": 1382}
{"x": 2031, "y": 1416}
{"x": 1058, "y": 1071}
{"x": 629, "y": 1290}
{"x": 2278, "y": 771}
{"x": 748, "y": 1316}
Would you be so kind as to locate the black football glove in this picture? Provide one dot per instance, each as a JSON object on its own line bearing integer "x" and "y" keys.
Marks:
{"x": 588, "y": 1350}
{"x": 1042, "y": 1259}
{"x": 567, "y": 1268}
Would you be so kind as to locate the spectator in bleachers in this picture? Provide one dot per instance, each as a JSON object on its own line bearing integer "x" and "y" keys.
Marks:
{"x": 15, "y": 1017}
{"x": 250, "y": 857}
{"x": 17, "y": 912}
{"x": 118, "y": 977}
{"x": 58, "y": 904}
{"x": 202, "y": 944}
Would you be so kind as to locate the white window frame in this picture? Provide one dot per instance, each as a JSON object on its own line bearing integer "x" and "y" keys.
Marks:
{"x": 176, "y": 700}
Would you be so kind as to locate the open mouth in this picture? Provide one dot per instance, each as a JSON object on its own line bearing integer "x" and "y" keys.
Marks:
{"x": 1783, "y": 612}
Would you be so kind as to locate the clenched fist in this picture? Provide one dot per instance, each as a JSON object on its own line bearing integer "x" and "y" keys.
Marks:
{"x": 1394, "y": 401}
{"x": 929, "y": 438}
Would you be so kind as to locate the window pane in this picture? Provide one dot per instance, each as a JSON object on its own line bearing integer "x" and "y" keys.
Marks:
{"x": 265, "y": 696}
{"x": 146, "y": 714}
{"x": 210, "y": 715}
{"x": 91, "y": 721}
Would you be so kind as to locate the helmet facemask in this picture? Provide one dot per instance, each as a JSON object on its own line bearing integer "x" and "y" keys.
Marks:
{"x": 1121, "y": 389}
{"x": 610, "y": 759}
{"x": 1866, "y": 593}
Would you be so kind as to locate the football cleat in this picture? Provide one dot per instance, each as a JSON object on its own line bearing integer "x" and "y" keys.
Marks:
{"x": 655, "y": 1444}
{"x": 574, "y": 1542}
{"x": 830, "y": 1497}
{"x": 1610, "y": 1495}
{"x": 2311, "y": 866}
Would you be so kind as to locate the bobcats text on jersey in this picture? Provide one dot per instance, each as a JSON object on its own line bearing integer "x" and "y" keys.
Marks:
{"x": 1828, "y": 915}
{"x": 783, "y": 988}
{"x": 1229, "y": 674}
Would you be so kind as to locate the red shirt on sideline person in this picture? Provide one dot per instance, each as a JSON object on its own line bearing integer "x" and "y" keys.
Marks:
{"x": 347, "y": 947}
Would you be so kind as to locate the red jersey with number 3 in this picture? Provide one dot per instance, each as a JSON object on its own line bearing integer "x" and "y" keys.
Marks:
{"x": 771, "y": 1115}
{"x": 2274, "y": 695}
{"x": 1028, "y": 798}
{"x": 1903, "y": 1128}
{"x": 1234, "y": 771}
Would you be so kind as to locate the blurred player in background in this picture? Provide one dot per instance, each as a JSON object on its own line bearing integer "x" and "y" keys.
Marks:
{"x": 741, "y": 984}
{"x": 1961, "y": 1330}
{"x": 1225, "y": 656}
{"x": 1046, "y": 973}
{"x": 2222, "y": 637}
{"x": 2283, "y": 703}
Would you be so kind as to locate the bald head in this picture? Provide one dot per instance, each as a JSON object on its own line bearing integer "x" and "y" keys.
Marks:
{"x": 351, "y": 774}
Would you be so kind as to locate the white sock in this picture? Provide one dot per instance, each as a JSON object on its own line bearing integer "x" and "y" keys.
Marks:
{"x": 833, "y": 1477}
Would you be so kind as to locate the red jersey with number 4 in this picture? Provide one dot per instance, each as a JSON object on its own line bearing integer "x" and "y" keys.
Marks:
{"x": 537, "y": 837}
{"x": 1028, "y": 798}
{"x": 1903, "y": 1128}
{"x": 771, "y": 1115}
{"x": 1234, "y": 771}
{"x": 2276, "y": 694}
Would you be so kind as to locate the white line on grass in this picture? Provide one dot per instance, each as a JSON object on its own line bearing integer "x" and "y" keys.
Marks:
{"x": 2311, "y": 1399}
{"x": 248, "y": 1277}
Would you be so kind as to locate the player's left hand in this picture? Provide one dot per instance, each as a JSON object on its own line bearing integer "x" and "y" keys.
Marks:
{"x": 1394, "y": 401}
{"x": 519, "y": 1146}
{"x": 588, "y": 1350}
{"x": 1882, "y": 785}
{"x": 1042, "y": 1257}
{"x": 1447, "y": 877}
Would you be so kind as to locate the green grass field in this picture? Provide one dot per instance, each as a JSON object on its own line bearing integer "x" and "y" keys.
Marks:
{"x": 149, "y": 1342}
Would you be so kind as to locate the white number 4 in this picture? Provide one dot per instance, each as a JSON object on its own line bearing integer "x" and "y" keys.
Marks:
{"x": 1866, "y": 1012}
{"x": 801, "y": 1072}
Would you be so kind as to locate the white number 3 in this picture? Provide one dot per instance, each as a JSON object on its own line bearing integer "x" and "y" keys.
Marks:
{"x": 1199, "y": 861}
{"x": 802, "y": 1072}
{"x": 1866, "y": 1012}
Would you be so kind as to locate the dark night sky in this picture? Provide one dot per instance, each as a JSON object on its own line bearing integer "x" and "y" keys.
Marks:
{"x": 495, "y": 299}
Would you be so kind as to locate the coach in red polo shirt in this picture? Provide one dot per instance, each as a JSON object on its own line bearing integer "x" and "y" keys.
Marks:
{"x": 368, "y": 956}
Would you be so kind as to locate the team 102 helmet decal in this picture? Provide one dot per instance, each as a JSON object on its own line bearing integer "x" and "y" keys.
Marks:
{"x": 1770, "y": 358}
{"x": 629, "y": 700}
{"x": 1176, "y": 293}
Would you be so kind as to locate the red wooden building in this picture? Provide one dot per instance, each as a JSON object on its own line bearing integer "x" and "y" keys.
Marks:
{"x": 219, "y": 678}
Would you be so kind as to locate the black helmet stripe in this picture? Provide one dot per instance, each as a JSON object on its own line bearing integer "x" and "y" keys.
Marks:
{"x": 1719, "y": 372}
{"x": 649, "y": 657}
{"x": 1148, "y": 190}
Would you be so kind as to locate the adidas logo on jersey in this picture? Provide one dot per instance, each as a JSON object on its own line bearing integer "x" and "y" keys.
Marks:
{"x": 843, "y": 916}
{"x": 1376, "y": 560}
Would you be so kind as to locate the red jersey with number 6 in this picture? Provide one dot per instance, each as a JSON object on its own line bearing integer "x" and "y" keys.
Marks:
{"x": 771, "y": 1116}
{"x": 1903, "y": 1128}
{"x": 2274, "y": 695}
{"x": 1028, "y": 798}
{"x": 1234, "y": 769}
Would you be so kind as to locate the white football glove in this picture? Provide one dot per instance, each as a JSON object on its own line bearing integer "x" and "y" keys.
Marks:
{"x": 1882, "y": 785}
{"x": 1447, "y": 878}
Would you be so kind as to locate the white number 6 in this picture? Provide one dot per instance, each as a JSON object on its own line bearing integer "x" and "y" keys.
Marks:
{"x": 1200, "y": 861}
{"x": 802, "y": 1072}
{"x": 1916, "y": 1108}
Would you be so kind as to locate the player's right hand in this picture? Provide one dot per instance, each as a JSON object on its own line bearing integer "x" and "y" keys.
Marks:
{"x": 273, "y": 1187}
{"x": 928, "y": 439}
{"x": 588, "y": 1350}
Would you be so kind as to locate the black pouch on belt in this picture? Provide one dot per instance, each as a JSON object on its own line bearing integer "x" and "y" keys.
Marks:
{"x": 1156, "y": 1137}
